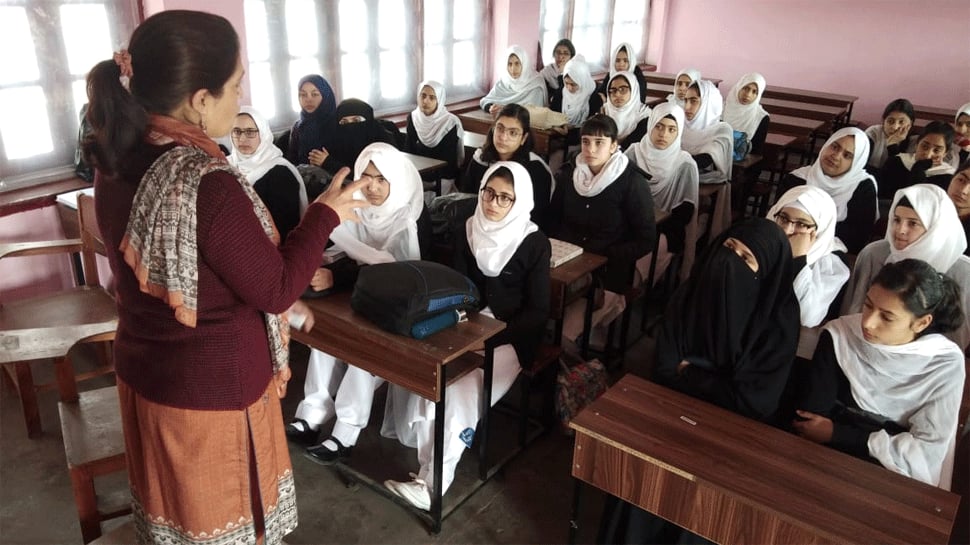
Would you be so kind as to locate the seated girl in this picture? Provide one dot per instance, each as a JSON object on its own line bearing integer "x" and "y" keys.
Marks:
{"x": 685, "y": 78}
{"x": 312, "y": 132}
{"x": 394, "y": 228}
{"x": 552, "y": 72}
{"x": 840, "y": 171}
{"x": 923, "y": 224}
{"x": 624, "y": 59}
{"x": 892, "y": 137}
{"x": 961, "y": 125}
{"x": 743, "y": 111}
{"x": 728, "y": 338}
{"x": 519, "y": 84}
{"x": 432, "y": 131}
{"x": 886, "y": 385}
{"x": 673, "y": 184}
{"x": 510, "y": 139}
{"x": 507, "y": 257}
{"x": 807, "y": 216}
{"x": 605, "y": 206}
{"x": 276, "y": 181}
{"x": 959, "y": 193}
{"x": 579, "y": 100}
{"x": 709, "y": 140}
{"x": 626, "y": 110}
{"x": 925, "y": 165}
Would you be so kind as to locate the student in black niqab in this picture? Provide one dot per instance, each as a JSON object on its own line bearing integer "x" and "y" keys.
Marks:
{"x": 355, "y": 130}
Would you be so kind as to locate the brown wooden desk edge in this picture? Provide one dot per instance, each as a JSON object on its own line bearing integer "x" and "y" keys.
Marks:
{"x": 37, "y": 196}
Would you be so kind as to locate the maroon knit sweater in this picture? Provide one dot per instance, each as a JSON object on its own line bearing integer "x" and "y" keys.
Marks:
{"x": 224, "y": 362}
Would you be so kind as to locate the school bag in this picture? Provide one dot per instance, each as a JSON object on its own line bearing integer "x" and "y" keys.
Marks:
{"x": 413, "y": 298}
{"x": 741, "y": 145}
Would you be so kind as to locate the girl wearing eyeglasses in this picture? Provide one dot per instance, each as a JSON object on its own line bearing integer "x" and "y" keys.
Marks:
{"x": 276, "y": 181}
{"x": 923, "y": 224}
{"x": 807, "y": 216}
{"x": 627, "y": 111}
{"x": 507, "y": 257}
{"x": 510, "y": 139}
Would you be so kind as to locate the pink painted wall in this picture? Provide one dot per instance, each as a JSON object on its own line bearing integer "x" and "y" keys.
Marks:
{"x": 878, "y": 50}
{"x": 513, "y": 23}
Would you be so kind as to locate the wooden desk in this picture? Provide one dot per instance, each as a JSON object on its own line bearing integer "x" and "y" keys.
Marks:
{"x": 820, "y": 112}
{"x": 720, "y": 207}
{"x": 424, "y": 367}
{"x": 562, "y": 292}
{"x": 812, "y": 97}
{"x": 479, "y": 121}
{"x": 670, "y": 79}
{"x": 934, "y": 113}
{"x": 795, "y": 126}
{"x": 429, "y": 168}
{"x": 734, "y": 480}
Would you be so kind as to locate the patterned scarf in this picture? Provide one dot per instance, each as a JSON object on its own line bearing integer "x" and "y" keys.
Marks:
{"x": 160, "y": 242}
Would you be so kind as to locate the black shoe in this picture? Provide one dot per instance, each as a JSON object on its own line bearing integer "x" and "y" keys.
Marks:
{"x": 299, "y": 432}
{"x": 324, "y": 456}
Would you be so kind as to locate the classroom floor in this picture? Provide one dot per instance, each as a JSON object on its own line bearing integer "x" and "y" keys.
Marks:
{"x": 528, "y": 502}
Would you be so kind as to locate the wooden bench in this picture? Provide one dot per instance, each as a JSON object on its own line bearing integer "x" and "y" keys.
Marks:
{"x": 812, "y": 97}
{"x": 94, "y": 445}
{"x": 933, "y": 113}
{"x": 666, "y": 78}
{"x": 820, "y": 112}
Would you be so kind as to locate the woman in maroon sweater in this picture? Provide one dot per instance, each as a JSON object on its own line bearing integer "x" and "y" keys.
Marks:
{"x": 201, "y": 348}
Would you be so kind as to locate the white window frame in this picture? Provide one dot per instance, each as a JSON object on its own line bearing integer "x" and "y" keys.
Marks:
{"x": 57, "y": 81}
{"x": 569, "y": 22}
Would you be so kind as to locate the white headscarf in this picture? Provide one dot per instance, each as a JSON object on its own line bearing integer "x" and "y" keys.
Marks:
{"x": 917, "y": 384}
{"x": 388, "y": 232}
{"x": 630, "y": 55}
{"x": 630, "y": 114}
{"x": 944, "y": 240}
{"x": 663, "y": 164}
{"x": 432, "y": 128}
{"x": 693, "y": 74}
{"x": 493, "y": 243}
{"x": 266, "y": 156}
{"x": 741, "y": 117}
{"x": 842, "y": 187}
{"x": 820, "y": 206}
{"x": 576, "y": 105}
{"x": 706, "y": 133}
{"x": 519, "y": 90}
{"x": 588, "y": 184}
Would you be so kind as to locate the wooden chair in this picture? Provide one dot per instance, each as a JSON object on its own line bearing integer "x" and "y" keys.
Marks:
{"x": 47, "y": 326}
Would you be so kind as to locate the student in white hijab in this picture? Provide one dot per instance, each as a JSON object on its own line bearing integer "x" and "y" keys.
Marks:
{"x": 519, "y": 84}
{"x": 388, "y": 231}
{"x": 626, "y": 110}
{"x": 840, "y": 171}
{"x": 624, "y": 59}
{"x": 276, "y": 181}
{"x": 961, "y": 124}
{"x": 807, "y": 215}
{"x": 886, "y": 385}
{"x": 673, "y": 184}
{"x": 743, "y": 110}
{"x": 578, "y": 101}
{"x": 709, "y": 140}
{"x": 685, "y": 78}
{"x": 507, "y": 258}
{"x": 924, "y": 225}
{"x": 433, "y": 131}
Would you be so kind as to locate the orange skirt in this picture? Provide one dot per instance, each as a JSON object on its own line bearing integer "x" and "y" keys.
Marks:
{"x": 214, "y": 477}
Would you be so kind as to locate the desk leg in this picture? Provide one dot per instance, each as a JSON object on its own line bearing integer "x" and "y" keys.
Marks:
{"x": 574, "y": 513}
{"x": 486, "y": 406}
{"x": 588, "y": 318}
{"x": 439, "y": 447}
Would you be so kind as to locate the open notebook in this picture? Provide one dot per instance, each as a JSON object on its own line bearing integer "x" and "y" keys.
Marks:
{"x": 562, "y": 252}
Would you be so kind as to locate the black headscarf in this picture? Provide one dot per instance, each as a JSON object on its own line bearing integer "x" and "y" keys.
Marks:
{"x": 313, "y": 129}
{"x": 738, "y": 329}
{"x": 351, "y": 138}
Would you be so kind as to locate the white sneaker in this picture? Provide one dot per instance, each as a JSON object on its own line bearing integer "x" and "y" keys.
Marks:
{"x": 415, "y": 492}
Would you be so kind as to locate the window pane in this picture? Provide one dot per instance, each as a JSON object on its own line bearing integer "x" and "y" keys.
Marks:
{"x": 591, "y": 12}
{"x": 466, "y": 64}
{"x": 394, "y": 76}
{"x": 86, "y": 36}
{"x": 434, "y": 63}
{"x": 301, "y": 28}
{"x": 14, "y": 35}
{"x": 354, "y": 25}
{"x": 355, "y": 73}
{"x": 553, "y": 14}
{"x": 79, "y": 90}
{"x": 629, "y": 11}
{"x": 261, "y": 89}
{"x": 24, "y": 125}
{"x": 549, "y": 39}
{"x": 390, "y": 24}
{"x": 632, "y": 34}
{"x": 466, "y": 19}
{"x": 257, "y": 31}
{"x": 434, "y": 21}
{"x": 298, "y": 69}
{"x": 589, "y": 41}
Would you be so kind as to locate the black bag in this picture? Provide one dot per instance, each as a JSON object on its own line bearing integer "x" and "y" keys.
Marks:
{"x": 413, "y": 298}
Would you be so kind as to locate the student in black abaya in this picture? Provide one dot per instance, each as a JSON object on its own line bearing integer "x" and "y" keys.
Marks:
{"x": 356, "y": 129}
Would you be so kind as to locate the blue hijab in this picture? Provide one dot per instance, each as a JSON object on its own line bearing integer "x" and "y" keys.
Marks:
{"x": 313, "y": 130}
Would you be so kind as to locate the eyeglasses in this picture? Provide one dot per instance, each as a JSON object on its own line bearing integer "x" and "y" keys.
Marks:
{"x": 501, "y": 199}
{"x": 784, "y": 221}
{"x": 375, "y": 177}
{"x": 511, "y": 133}
{"x": 621, "y": 90}
{"x": 248, "y": 133}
